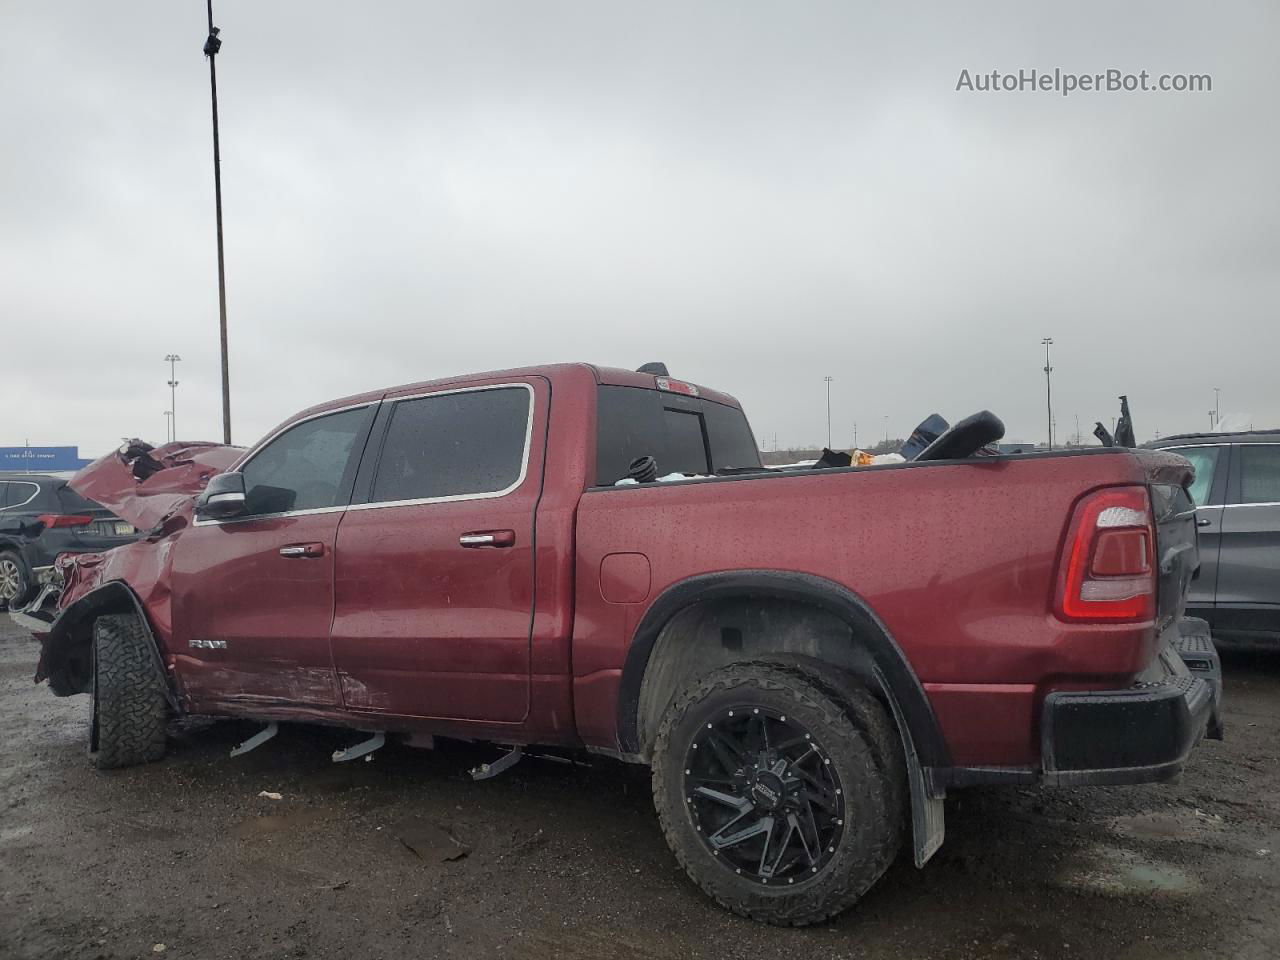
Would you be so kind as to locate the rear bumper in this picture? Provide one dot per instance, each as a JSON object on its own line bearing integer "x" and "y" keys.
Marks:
{"x": 1143, "y": 734}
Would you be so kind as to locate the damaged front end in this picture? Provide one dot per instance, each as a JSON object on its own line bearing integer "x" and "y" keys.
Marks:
{"x": 154, "y": 489}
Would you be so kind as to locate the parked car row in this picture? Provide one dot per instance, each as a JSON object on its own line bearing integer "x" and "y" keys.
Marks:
{"x": 41, "y": 517}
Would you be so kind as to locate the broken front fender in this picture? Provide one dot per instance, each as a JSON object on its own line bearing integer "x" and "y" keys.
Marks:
{"x": 144, "y": 484}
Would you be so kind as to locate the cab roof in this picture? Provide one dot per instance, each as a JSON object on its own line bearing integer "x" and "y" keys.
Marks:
{"x": 607, "y": 376}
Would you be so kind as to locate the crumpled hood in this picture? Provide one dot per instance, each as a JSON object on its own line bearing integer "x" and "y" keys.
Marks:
{"x": 144, "y": 484}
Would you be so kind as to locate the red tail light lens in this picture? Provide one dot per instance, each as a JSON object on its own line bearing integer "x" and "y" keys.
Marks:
{"x": 1108, "y": 561}
{"x": 52, "y": 520}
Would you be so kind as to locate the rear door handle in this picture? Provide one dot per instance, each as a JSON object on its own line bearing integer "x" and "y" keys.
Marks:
{"x": 1204, "y": 522}
{"x": 303, "y": 550}
{"x": 488, "y": 538}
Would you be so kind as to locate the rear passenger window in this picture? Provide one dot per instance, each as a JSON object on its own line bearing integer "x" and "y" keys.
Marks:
{"x": 471, "y": 443}
{"x": 1260, "y": 473}
{"x": 17, "y": 493}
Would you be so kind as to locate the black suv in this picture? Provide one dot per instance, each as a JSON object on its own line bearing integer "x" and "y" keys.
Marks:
{"x": 41, "y": 517}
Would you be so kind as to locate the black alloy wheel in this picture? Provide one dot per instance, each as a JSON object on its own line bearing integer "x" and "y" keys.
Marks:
{"x": 763, "y": 795}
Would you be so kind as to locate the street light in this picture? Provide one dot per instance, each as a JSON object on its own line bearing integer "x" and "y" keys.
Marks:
{"x": 886, "y": 431}
{"x": 1217, "y": 414}
{"x": 211, "y": 47}
{"x": 1048, "y": 386}
{"x": 828, "y": 379}
{"x": 171, "y": 359}
{"x": 168, "y": 422}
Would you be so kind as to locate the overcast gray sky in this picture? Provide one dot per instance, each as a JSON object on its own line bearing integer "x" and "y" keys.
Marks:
{"x": 759, "y": 194}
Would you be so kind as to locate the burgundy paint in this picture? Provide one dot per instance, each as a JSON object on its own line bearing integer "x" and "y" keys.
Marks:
{"x": 527, "y": 642}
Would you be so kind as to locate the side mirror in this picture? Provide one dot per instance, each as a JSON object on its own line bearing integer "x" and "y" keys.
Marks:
{"x": 222, "y": 498}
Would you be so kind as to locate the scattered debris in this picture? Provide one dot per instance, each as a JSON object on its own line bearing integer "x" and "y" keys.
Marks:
{"x": 270, "y": 795}
{"x": 159, "y": 948}
{"x": 428, "y": 841}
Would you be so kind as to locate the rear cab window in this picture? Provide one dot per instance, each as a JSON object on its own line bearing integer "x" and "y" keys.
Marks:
{"x": 684, "y": 434}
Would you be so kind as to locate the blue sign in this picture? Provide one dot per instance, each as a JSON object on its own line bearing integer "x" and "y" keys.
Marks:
{"x": 40, "y": 459}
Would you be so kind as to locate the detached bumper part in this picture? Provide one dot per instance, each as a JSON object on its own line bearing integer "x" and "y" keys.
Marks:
{"x": 1139, "y": 735}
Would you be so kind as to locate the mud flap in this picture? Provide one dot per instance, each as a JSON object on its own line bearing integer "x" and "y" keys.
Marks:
{"x": 928, "y": 817}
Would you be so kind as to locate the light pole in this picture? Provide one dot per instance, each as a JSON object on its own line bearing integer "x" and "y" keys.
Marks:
{"x": 211, "y": 47}
{"x": 1217, "y": 413}
{"x": 173, "y": 358}
{"x": 168, "y": 422}
{"x": 886, "y": 431}
{"x": 855, "y": 434}
{"x": 828, "y": 380}
{"x": 1048, "y": 386}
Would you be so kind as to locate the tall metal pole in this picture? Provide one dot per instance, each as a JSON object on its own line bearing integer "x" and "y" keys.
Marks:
{"x": 1048, "y": 386}
{"x": 828, "y": 379}
{"x": 173, "y": 358}
{"x": 211, "y": 47}
{"x": 1217, "y": 414}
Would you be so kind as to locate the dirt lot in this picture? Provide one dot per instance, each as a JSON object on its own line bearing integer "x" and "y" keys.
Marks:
{"x": 567, "y": 861}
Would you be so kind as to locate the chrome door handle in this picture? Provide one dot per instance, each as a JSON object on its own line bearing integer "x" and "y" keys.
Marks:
{"x": 303, "y": 550}
{"x": 1204, "y": 522}
{"x": 488, "y": 538}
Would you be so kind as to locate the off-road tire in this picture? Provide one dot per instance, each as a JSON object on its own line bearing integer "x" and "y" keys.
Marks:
{"x": 130, "y": 711}
{"x": 860, "y": 742}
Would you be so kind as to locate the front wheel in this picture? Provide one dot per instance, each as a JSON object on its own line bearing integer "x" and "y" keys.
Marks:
{"x": 774, "y": 800}
{"x": 130, "y": 712}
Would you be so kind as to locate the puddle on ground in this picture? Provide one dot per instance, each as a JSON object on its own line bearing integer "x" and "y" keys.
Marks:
{"x": 1111, "y": 870}
{"x": 277, "y": 823}
{"x": 1180, "y": 825}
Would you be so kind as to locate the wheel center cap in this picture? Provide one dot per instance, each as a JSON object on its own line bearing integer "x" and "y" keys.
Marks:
{"x": 767, "y": 791}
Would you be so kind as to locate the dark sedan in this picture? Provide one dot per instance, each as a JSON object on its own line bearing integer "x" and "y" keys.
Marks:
{"x": 41, "y": 517}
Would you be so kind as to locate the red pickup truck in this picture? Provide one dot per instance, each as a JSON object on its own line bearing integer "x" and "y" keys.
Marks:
{"x": 807, "y": 659}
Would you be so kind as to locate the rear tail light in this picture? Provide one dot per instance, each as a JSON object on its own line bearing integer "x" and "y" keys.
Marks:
{"x": 53, "y": 520}
{"x": 1108, "y": 565}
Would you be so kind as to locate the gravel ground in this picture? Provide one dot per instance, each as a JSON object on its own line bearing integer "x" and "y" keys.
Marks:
{"x": 184, "y": 858}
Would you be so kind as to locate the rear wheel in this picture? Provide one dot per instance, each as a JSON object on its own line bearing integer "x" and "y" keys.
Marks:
{"x": 14, "y": 581}
{"x": 130, "y": 712}
{"x": 776, "y": 802}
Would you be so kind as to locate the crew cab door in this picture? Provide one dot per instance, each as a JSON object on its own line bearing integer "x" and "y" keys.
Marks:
{"x": 253, "y": 595}
{"x": 435, "y": 556}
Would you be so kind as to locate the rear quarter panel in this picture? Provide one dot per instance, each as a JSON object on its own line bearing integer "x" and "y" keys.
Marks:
{"x": 957, "y": 560}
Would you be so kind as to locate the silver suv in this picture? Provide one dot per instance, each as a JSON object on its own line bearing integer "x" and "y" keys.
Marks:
{"x": 1237, "y": 495}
